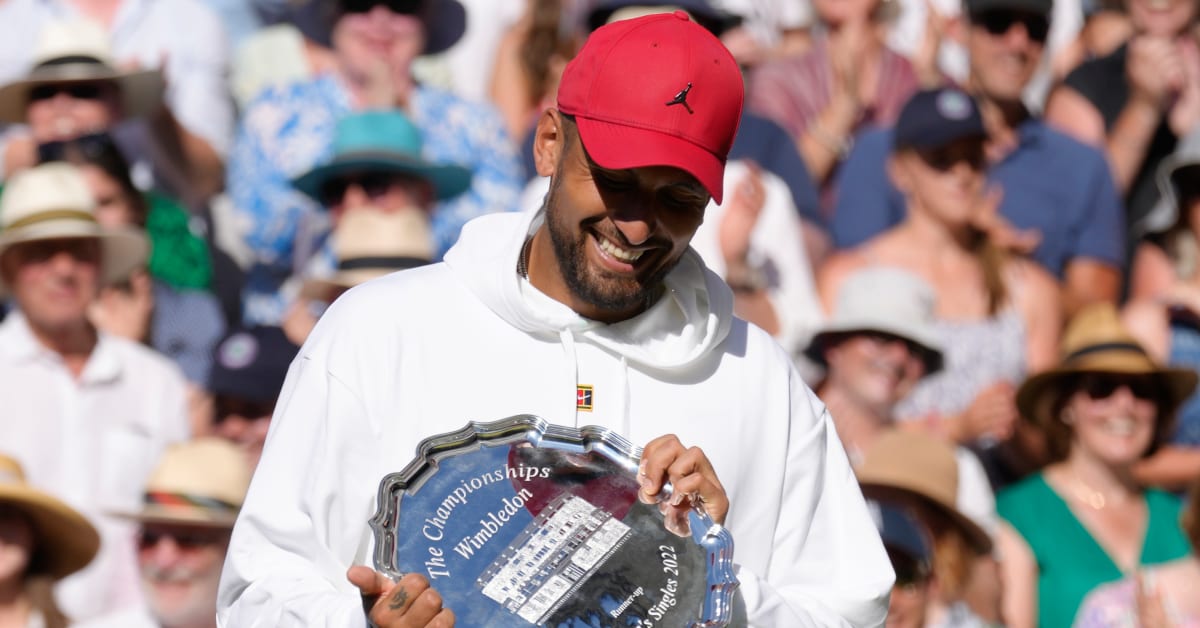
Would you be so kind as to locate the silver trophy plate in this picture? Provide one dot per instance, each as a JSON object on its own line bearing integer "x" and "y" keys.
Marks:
{"x": 520, "y": 523}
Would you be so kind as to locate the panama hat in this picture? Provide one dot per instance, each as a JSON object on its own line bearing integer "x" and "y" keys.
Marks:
{"x": 202, "y": 482}
{"x": 77, "y": 52}
{"x": 1095, "y": 341}
{"x": 917, "y": 467}
{"x": 52, "y": 201}
{"x": 887, "y": 300}
{"x": 64, "y": 540}
{"x": 370, "y": 243}
{"x": 382, "y": 141}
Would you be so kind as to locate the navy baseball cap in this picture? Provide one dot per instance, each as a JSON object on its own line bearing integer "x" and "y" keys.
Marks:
{"x": 251, "y": 364}
{"x": 933, "y": 118}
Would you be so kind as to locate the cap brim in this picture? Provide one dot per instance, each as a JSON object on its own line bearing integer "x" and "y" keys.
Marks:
{"x": 157, "y": 513}
{"x": 883, "y": 489}
{"x": 620, "y": 147}
{"x": 448, "y": 180}
{"x": 66, "y": 541}
{"x": 141, "y": 91}
{"x": 933, "y": 358}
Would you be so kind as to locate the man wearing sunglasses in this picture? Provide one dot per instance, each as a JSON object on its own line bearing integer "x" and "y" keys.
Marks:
{"x": 1059, "y": 202}
{"x": 290, "y": 129}
{"x": 190, "y": 504}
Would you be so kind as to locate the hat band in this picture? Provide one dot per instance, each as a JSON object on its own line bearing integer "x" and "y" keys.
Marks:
{"x": 54, "y": 214}
{"x": 67, "y": 60}
{"x": 359, "y": 263}
{"x": 156, "y": 498}
{"x": 1106, "y": 346}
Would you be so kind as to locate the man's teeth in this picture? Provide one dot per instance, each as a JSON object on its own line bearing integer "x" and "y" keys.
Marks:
{"x": 1120, "y": 426}
{"x": 619, "y": 253}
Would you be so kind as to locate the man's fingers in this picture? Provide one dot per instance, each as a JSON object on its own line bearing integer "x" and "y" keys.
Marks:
{"x": 657, "y": 456}
{"x": 368, "y": 581}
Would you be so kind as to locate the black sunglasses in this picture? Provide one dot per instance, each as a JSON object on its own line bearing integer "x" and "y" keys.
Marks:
{"x": 999, "y": 21}
{"x": 402, "y": 7}
{"x": 1099, "y": 386}
{"x": 81, "y": 91}
{"x": 186, "y": 540}
{"x": 943, "y": 159}
{"x": 373, "y": 184}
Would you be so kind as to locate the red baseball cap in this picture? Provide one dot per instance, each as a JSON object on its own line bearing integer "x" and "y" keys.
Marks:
{"x": 658, "y": 90}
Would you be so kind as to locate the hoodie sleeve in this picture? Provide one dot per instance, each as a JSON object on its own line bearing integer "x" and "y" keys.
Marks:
{"x": 828, "y": 566}
{"x": 302, "y": 522}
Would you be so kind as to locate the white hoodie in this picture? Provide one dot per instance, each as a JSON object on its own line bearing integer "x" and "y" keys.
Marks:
{"x": 422, "y": 352}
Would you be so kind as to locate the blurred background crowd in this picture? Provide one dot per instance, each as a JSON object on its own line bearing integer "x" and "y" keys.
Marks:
{"x": 975, "y": 224}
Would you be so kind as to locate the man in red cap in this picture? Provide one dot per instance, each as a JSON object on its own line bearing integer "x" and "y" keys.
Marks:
{"x": 592, "y": 311}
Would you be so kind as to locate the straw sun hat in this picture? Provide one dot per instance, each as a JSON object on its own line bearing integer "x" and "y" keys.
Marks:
{"x": 64, "y": 541}
{"x": 202, "y": 482}
{"x": 918, "y": 467}
{"x": 52, "y": 202}
{"x": 79, "y": 52}
{"x": 1096, "y": 342}
{"x": 370, "y": 243}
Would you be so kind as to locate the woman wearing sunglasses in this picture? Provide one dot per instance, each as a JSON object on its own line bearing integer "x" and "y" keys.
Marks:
{"x": 1083, "y": 520}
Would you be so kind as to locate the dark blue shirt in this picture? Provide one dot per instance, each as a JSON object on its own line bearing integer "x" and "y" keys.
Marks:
{"x": 1051, "y": 183}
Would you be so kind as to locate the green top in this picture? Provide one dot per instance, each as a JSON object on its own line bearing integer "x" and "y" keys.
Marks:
{"x": 1070, "y": 562}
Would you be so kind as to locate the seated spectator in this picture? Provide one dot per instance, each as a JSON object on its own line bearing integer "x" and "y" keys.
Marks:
{"x": 169, "y": 305}
{"x": 918, "y": 472}
{"x": 849, "y": 80}
{"x": 86, "y": 413}
{"x": 288, "y": 130}
{"x": 43, "y": 541}
{"x": 1165, "y": 595}
{"x": 1137, "y": 102}
{"x": 1164, "y": 309}
{"x": 1058, "y": 205}
{"x": 247, "y": 376}
{"x": 191, "y": 502}
{"x": 368, "y": 243}
{"x": 997, "y": 314}
{"x": 1084, "y": 520}
{"x": 907, "y": 545}
{"x": 768, "y": 30}
{"x": 182, "y": 38}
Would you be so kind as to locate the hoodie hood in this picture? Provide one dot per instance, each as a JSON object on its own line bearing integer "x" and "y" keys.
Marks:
{"x": 691, "y": 318}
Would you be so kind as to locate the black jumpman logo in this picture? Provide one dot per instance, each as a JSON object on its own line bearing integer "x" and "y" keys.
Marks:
{"x": 681, "y": 99}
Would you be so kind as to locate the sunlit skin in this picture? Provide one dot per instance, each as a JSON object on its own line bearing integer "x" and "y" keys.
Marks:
{"x": 1002, "y": 65}
{"x": 944, "y": 183}
{"x": 53, "y": 281}
{"x": 377, "y": 41}
{"x": 243, "y": 423}
{"x": 66, "y": 117}
{"x": 838, "y": 12}
{"x": 181, "y": 568}
{"x": 1162, "y": 18}
{"x": 648, "y": 213}
{"x": 875, "y": 371}
{"x": 1115, "y": 431}
{"x": 906, "y": 607}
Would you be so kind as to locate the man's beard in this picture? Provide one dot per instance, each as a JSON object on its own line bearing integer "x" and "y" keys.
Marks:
{"x": 590, "y": 285}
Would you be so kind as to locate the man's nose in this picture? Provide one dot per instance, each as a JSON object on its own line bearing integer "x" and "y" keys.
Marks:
{"x": 636, "y": 220}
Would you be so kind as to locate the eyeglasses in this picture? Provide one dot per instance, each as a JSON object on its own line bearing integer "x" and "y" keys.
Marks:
{"x": 881, "y": 338}
{"x": 82, "y": 250}
{"x": 1000, "y": 21}
{"x": 185, "y": 539}
{"x": 375, "y": 185}
{"x": 1099, "y": 386}
{"x": 944, "y": 159}
{"x": 402, "y": 7}
{"x": 81, "y": 91}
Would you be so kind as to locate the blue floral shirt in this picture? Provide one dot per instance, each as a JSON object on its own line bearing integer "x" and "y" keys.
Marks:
{"x": 289, "y": 129}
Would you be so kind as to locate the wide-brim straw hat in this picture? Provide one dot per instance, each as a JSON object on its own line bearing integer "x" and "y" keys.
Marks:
{"x": 886, "y": 300}
{"x": 1095, "y": 341}
{"x": 916, "y": 467}
{"x": 52, "y": 202}
{"x": 79, "y": 52}
{"x": 202, "y": 482}
{"x": 370, "y": 243}
{"x": 64, "y": 541}
{"x": 382, "y": 141}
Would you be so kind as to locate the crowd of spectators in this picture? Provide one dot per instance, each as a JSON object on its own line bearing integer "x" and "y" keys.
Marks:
{"x": 975, "y": 228}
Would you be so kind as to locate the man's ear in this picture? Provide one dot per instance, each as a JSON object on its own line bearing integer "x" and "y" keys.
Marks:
{"x": 897, "y": 173}
{"x": 549, "y": 142}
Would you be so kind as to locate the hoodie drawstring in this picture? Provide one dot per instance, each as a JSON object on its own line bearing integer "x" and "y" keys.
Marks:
{"x": 567, "y": 340}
